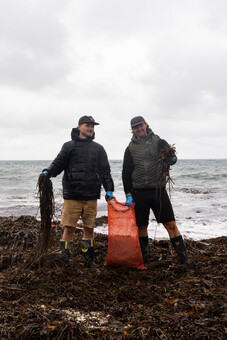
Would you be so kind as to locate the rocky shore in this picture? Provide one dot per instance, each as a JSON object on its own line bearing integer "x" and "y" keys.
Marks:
{"x": 52, "y": 300}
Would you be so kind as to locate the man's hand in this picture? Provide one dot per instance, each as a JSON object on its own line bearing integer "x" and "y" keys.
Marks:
{"x": 44, "y": 173}
{"x": 109, "y": 195}
{"x": 173, "y": 160}
{"x": 129, "y": 201}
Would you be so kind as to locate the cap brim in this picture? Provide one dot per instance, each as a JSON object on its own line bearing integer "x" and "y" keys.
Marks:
{"x": 94, "y": 123}
{"x": 132, "y": 126}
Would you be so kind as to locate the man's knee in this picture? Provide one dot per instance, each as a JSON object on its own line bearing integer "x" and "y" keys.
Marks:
{"x": 170, "y": 226}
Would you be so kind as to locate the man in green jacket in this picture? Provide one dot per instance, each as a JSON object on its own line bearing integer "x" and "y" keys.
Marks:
{"x": 144, "y": 180}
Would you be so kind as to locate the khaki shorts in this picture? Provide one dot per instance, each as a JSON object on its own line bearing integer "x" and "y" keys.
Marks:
{"x": 72, "y": 210}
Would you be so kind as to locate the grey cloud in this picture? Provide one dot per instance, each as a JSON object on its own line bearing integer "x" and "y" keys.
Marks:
{"x": 114, "y": 59}
{"x": 131, "y": 18}
{"x": 33, "y": 43}
{"x": 187, "y": 58}
{"x": 186, "y": 79}
{"x": 32, "y": 70}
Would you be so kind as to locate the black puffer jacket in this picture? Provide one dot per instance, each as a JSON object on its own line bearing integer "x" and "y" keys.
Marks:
{"x": 85, "y": 166}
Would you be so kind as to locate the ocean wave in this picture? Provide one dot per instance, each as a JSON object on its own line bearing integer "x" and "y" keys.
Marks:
{"x": 194, "y": 191}
{"x": 201, "y": 176}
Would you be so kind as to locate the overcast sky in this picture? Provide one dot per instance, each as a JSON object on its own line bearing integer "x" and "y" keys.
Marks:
{"x": 113, "y": 59}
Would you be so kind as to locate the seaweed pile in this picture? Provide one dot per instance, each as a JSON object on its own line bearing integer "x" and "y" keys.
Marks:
{"x": 53, "y": 300}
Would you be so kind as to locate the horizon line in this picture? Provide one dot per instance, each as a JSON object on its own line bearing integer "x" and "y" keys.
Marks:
{"x": 110, "y": 159}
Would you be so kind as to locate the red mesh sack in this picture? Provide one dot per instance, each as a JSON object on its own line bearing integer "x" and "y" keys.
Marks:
{"x": 123, "y": 241}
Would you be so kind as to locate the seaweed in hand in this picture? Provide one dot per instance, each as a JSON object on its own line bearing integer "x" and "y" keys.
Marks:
{"x": 46, "y": 198}
{"x": 165, "y": 158}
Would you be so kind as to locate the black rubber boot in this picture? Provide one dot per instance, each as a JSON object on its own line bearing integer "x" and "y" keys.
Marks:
{"x": 88, "y": 252}
{"x": 65, "y": 249}
{"x": 180, "y": 248}
{"x": 144, "y": 247}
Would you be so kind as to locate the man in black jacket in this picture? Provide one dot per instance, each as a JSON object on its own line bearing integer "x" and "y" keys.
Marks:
{"x": 86, "y": 168}
{"x": 144, "y": 183}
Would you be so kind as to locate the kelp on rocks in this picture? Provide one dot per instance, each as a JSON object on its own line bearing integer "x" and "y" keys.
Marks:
{"x": 56, "y": 301}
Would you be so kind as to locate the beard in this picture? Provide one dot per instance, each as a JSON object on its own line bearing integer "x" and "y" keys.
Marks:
{"x": 87, "y": 134}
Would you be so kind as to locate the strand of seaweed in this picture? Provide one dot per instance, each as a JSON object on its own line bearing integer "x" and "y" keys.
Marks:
{"x": 46, "y": 199}
{"x": 165, "y": 157}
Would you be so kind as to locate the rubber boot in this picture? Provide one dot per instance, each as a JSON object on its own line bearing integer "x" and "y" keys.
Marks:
{"x": 180, "y": 248}
{"x": 88, "y": 252}
{"x": 144, "y": 247}
{"x": 65, "y": 249}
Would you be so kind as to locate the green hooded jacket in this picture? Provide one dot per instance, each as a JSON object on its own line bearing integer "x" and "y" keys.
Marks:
{"x": 145, "y": 155}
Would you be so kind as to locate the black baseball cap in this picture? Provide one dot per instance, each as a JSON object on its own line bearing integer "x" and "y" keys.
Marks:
{"x": 87, "y": 119}
{"x": 137, "y": 121}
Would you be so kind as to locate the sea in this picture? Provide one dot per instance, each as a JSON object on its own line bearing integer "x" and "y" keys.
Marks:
{"x": 198, "y": 193}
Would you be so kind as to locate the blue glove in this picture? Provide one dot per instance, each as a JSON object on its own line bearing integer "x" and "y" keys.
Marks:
{"x": 109, "y": 195}
{"x": 173, "y": 160}
{"x": 129, "y": 201}
{"x": 44, "y": 172}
